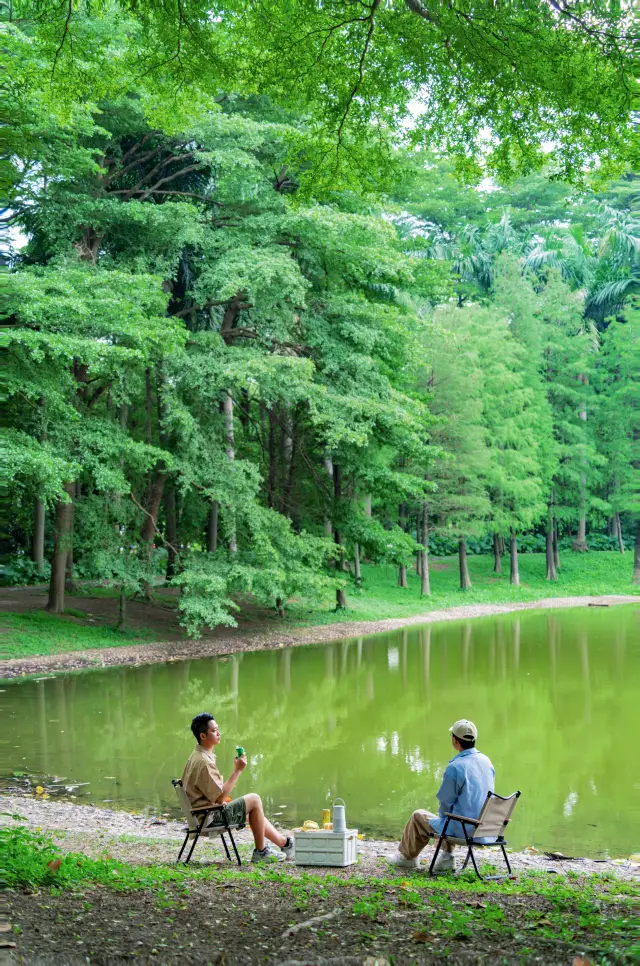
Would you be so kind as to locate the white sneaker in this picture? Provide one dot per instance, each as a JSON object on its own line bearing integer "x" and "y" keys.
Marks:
{"x": 268, "y": 854}
{"x": 399, "y": 860}
{"x": 446, "y": 862}
{"x": 289, "y": 848}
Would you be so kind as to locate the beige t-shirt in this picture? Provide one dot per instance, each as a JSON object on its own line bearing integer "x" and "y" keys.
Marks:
{"x": 201, "y": 779}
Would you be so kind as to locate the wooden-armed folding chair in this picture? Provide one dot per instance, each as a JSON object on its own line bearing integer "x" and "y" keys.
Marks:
{"x": 491, "y": 823}
{"x": 196, "y": 824}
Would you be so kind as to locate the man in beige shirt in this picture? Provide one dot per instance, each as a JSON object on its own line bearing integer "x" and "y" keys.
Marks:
{"x": 204, "y": 785}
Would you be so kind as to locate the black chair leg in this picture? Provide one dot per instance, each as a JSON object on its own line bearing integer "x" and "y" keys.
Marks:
{"x": 197, "y": 836}
{"x": 186, "y": 839}
{"x": 188, "y": 858}
{"x": 466, "y": 860}
{"x": 435, "y": 856}
{"x": 233, "y": 842}
{"x": 226, "y": 848}
{"x": 504, "y": 853}
{"x": 473, "y": 859}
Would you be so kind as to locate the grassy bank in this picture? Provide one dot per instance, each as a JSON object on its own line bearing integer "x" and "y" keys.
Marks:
{"x": 33, "y": 632}
{"x": 580, "y": 575}
{"x": 36, "y": 633}
{"x": 102, "y": 909}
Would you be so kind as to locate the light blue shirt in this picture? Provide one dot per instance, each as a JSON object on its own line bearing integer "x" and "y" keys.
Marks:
{"x": 465, "y": 783}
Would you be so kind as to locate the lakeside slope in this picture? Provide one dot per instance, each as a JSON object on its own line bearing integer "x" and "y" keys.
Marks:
{"x": 260, "y": 638}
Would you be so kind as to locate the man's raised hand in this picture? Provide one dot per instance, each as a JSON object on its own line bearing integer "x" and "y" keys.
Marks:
{"x": 240, "y": 763}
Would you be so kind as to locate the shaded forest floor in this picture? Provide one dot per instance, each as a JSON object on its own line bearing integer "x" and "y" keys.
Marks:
{"x": 28, "y": 632}
{"x": 94, "y": 899}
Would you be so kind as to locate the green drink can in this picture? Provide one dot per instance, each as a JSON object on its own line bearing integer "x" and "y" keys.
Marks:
{"x": 239, "y": 751}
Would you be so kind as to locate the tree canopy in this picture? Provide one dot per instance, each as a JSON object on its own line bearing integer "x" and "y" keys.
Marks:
{"x": 237, "y": 366}
{"x": 492, "y": 85}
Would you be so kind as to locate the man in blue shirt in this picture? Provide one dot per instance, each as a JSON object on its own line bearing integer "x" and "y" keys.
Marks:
{"x": 467, "y": 779}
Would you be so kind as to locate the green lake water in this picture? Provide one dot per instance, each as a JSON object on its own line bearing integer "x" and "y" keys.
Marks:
{"x": 554, "y": 695}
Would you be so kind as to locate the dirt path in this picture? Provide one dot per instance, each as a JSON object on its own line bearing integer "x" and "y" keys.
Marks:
{"x": 260, "y": 637}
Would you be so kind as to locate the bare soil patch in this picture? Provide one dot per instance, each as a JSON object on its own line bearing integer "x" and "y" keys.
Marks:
{"x": 256, "y": 631}
{"x": 241, "y": 924}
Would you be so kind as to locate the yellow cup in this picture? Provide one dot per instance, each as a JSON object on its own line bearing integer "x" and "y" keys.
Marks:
{"x": 326, "y": 816}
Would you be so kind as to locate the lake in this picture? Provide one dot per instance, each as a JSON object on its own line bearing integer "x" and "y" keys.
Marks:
{"x": 554, "y": 696}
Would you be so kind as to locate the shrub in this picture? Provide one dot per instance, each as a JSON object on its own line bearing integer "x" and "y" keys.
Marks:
{"x": 20, "y": 570}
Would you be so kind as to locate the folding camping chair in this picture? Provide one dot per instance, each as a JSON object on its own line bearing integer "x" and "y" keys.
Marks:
{"x": 491, "y": 823}
{"x": 196, "y": 824}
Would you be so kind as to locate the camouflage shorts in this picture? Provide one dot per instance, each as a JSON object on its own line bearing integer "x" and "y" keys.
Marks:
{"x": 235, "y": 813}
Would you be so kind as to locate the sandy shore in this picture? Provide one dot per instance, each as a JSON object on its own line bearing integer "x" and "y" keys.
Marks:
{"x": 271, "y": 639}
{"x": 151, "y": 839}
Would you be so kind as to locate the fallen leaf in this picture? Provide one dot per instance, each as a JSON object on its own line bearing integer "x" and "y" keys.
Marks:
{"x": 39, "y": 789}
{"x": 422, "y": 937}
{"x": 581, "y": 961}
{"x": 54, "y": 865}
{"x": 476, "y": 904}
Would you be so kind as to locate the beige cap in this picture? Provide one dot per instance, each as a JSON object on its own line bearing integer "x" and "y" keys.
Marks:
{"x": 464, "y": 729}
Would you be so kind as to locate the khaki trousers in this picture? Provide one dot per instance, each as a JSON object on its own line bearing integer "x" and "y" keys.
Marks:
{"x": 417, "y": 833}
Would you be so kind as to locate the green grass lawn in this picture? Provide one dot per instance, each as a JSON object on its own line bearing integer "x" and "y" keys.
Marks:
{"x": 37, "y": 633}
{"x": 590, "y": 574}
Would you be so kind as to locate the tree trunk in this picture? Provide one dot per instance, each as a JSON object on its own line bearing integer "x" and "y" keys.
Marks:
{"x": 280, "y": 606}
{"x": 148, "y": 407}
{"x": 341, "y": 596}
{"x": 55, "y": 603}
{"x": 618, "y": 531}
{"x": 227, "y": 411}
{"x": 497, "y": 559}
{"x": 287, "y": 461}
{"x": 328, "y": 524}
{"x": 367, "y": 505}
{"x": 37, "y": 541}
{"x": 514, "y": 575}
{"x": 357, "y": 574}
{"x": 212, "y": 527}
{"x": 122, "y": 609}
{"x": 68, "y": 575}
{"x": 418, "y": 552}
{"x": 273, "y": 460}
{"x": 580, "y": 543}
{"x": 153, "y": 500}
{"x": 465, "y": 579}
{"x": 402, "y": 522}
{"x": 636, "y": 555}
{"x": 171, "y": 529}
{"x": 551, "y": 564}
{"x": 69, "y": 585}
{"x": 556, "y": 547}
{"x": 425, "y": 586}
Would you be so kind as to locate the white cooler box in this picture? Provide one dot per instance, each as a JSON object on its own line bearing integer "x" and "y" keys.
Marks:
{"x": 326, "y": 848}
